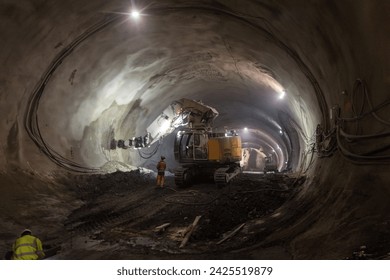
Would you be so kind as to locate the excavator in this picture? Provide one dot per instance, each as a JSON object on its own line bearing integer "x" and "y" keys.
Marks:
{"x": 201, "y": 152}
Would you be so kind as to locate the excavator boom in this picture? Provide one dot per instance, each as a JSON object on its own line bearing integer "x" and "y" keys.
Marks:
{"x": 202, "y": 152}
{"x": 186, "y": 113}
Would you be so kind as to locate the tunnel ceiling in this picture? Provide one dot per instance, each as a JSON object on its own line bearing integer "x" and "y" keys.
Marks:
{"x": 139, "y": 60}
{"x": 102, "y": 74}
{"x": 77, "y": 74}
{"x": 120, "y": 73}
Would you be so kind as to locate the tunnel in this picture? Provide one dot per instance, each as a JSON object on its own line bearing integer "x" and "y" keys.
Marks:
{"x": 305, "y": 83}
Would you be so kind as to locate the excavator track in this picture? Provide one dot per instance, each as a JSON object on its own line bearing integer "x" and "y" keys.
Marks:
{"x": 182, "y": 176}
{"x": 223, "y": 175}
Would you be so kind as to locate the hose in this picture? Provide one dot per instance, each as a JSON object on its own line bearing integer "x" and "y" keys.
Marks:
{"x": 372, "y": 109}
{"x": 362, "y": 83}
{"x": 362, "y": 159}
{"x": 366, "y": 136}
{"x": 146, "y": 155}
{"x": 370, "y": 157}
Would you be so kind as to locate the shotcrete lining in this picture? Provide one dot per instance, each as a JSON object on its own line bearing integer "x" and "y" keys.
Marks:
{"x": 94, "y": 85}
{"x": 338, "y": 40}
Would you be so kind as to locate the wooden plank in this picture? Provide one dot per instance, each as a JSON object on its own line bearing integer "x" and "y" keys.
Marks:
{"x": 190, "y": 230}
{"x": 231, "y": 233}
{"x": 161, "y": 228}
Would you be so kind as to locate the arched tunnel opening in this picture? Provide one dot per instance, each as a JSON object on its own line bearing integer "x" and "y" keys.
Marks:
{"x": 304, "y": 86}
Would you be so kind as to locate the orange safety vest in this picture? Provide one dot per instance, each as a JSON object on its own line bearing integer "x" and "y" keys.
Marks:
{"x": 27, "y": 247}
{"x": 161, "y": 166}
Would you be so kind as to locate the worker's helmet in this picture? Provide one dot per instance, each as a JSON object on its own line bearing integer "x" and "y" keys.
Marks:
{"x": 25, "y": 232}
{"x": 162, "y": 157}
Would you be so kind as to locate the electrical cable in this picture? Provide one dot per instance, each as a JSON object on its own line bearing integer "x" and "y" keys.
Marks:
{"x": 366, "y": 136}
{"x": 363, "y": 159}
{"x": 31, "y": 121}
{"x": 354, "y": 92}
{"x": 377, "y": 150}
{"x": 31, "y": 117}
{"x": 372, "y": 109}
{"x": 365, "y": 90}
{"x": 370, "y": 157}
{"x": 304, "y": 162}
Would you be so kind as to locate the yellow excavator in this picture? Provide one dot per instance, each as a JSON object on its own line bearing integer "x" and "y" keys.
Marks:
{"x": 201, "y": 152}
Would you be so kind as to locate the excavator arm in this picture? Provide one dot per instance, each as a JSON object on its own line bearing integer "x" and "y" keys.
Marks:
{"x": 185, "y": 113}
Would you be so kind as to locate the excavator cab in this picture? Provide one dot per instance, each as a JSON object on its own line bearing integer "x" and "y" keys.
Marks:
{"x": 204, "y": 154}
{"x": 191, "y": 147}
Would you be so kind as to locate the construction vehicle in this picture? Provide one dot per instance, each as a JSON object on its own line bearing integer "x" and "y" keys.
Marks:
{"x": 201, "y": 152}
{"x": 270, "y": 165}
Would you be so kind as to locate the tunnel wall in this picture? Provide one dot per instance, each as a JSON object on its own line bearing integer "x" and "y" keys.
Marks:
{"x": 339, "y": 41}
{"x": 312, "y": 42}
{"x": 348, "y": 200}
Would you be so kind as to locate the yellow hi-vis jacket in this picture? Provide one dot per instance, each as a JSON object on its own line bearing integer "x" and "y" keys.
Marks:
{"x": 27, "y": 247}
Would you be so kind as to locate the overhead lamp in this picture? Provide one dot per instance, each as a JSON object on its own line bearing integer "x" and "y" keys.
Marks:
{"x": 135, "y": 14}
{"x": 245, "y": 128}
{"x": 282, "y": 94}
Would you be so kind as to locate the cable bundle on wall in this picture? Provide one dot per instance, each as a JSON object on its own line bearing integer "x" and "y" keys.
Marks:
{"x": 346, "y": 139}
{"x": 31, "y": 122}
{"x": 326, "y": 143}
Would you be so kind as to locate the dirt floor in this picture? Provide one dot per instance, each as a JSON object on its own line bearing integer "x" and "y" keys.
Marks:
{"x": 123, "y": 215}
{"x": 120, "y": 212}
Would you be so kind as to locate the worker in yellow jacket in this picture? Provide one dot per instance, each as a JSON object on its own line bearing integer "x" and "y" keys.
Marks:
{"x": 27, "y": 247}
{"x": 161, "y": 166}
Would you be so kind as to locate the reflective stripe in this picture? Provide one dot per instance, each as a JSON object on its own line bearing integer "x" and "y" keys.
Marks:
{"x": 34, "y": 245}
{"x": 26, "y": 254}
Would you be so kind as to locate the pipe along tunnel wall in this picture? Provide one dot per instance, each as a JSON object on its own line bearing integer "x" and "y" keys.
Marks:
{"x": 75, "y": 76}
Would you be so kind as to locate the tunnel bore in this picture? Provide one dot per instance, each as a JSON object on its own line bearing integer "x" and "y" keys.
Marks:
{"x": 103, "y": 80}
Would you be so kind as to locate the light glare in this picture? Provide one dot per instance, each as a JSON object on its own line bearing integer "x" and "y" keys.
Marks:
{"x": 282, "y": 94}
{"x": 135, "y": 14}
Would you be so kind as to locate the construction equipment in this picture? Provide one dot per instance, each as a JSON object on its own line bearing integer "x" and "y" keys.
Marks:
{"x": 270, "y": 165}
{"x": 201, "y": 152}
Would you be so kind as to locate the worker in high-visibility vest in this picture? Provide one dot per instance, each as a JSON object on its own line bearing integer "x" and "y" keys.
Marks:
{"x": 27, "y": 247}
{"x": 161, "y": 166}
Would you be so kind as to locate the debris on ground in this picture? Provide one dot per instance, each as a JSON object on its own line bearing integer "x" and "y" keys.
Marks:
{"x": 124, "y": 208}
{"x": 189, "y": 231}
